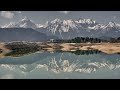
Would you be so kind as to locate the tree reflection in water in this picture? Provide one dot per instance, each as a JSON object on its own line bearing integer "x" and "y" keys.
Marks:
{"x": 26, "y": 51}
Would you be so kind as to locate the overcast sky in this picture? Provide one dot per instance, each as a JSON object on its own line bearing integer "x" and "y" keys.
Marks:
{"x": 43, "y": 16}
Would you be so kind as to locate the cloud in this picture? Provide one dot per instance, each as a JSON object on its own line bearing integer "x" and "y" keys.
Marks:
{"x": 64, "y": 12}
{"x": 7, "y": 14}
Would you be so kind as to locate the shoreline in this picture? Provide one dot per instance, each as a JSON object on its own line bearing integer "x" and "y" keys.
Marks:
{"x": 108, "y": 48}
{"x": 3, "y": 50}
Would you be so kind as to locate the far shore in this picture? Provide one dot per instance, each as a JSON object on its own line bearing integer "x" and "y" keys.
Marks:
{"x": 108, "y": 48}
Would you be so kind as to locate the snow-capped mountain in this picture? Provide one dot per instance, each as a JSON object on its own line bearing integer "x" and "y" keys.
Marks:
{"x": 69, "y": 25}
{"x": 24, "y": 23}
{"x": 112, "y": 25}
{"x": 10, "y": 25}
{"x": 98, "y": 26}
{"x": 39, "y": 25}
{"x": 66, "y": 25}
{"x": 61, "y": 26}
{"x": 67, "y": 29}
{"x": 86, "y": 22}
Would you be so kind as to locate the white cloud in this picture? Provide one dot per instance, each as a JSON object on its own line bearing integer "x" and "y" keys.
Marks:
{"x": 7, "y": 14}
{"x": 64, "y": 12}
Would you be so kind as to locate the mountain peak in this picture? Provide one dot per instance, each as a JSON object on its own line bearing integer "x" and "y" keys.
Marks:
{"x": 57, "y": 20}
{"x": 24, "y": 23}
{"x": 111, "y": 24}
{"x": 10, "y": 25}
{"x": 86, "y": 21}
{"x": 25, "y": 19}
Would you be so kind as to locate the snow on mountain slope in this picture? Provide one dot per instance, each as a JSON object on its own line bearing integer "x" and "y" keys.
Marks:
{"x": 39, "y": 25}
{"x": 76, "y": 25}
{"x": 70, "y": 28}
{"x": 61, "y": 26}
{"x": 96, "y": 27}
{"x": 86, "y": 22}
{"x": 24, "y": 23}
{"x": 10, "y": 25}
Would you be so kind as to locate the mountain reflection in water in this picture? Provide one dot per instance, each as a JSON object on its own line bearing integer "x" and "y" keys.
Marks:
{"x": 59, "y": 62}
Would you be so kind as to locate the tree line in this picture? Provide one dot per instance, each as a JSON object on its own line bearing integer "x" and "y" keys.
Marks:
{"x": 87, "y": 40}
{"x": 115, "y": 40}
{"x": 80, "y": 40}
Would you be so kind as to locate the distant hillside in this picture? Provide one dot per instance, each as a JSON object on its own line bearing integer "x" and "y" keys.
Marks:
{"x": 22, "y": 34}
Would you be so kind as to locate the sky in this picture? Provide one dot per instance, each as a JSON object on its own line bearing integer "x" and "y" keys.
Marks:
{"x": 41, "y": 17}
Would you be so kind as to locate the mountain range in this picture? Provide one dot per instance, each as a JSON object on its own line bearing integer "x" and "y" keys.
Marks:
{"x": 67, "y": 29}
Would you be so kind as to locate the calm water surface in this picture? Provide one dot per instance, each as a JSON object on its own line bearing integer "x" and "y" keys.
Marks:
{"x": 61, "y": 65}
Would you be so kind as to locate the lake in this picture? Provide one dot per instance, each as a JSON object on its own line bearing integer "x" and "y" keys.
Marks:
{"x": 61, "y": 65}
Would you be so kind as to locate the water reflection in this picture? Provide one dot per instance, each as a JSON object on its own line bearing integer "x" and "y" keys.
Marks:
{"x": 22, "y": 52}
{"x": 83, "y": 52}
{"x": 59, "y": 62}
